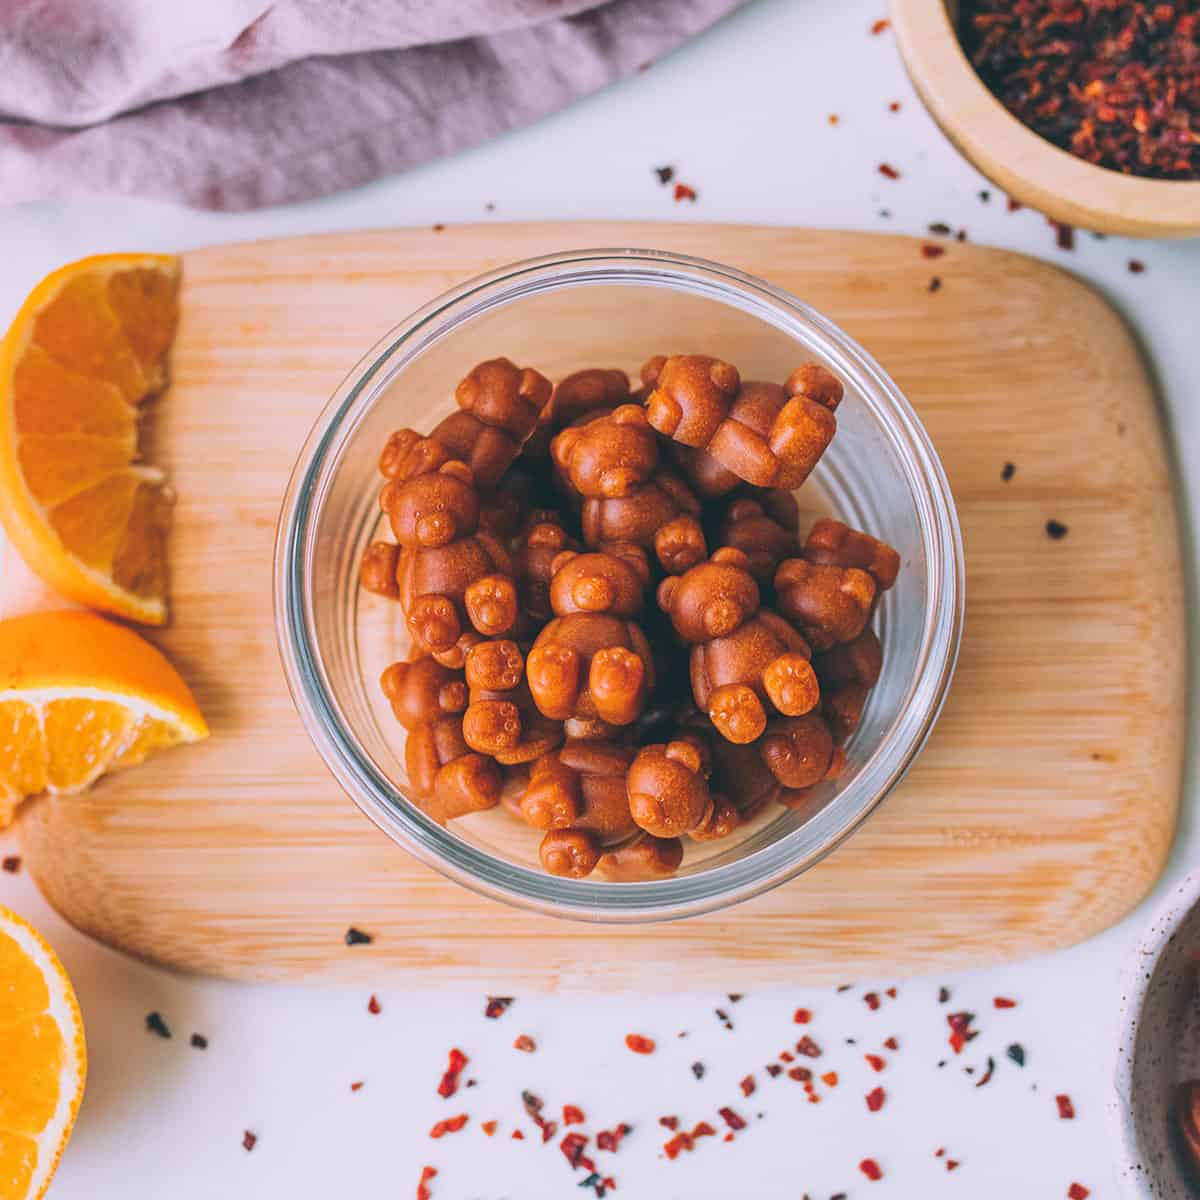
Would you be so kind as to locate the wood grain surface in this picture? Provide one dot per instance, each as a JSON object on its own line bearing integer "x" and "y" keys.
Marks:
{"x": 1041, "y": 810}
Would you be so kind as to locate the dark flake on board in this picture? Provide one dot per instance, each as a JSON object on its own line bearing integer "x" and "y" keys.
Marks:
{"x": 156, "y": 1024}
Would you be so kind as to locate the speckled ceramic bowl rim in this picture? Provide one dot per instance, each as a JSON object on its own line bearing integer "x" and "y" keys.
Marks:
{"x": 1136, "y": 978}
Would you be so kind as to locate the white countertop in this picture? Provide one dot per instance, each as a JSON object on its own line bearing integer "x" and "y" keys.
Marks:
{"x": 742, "y": 115}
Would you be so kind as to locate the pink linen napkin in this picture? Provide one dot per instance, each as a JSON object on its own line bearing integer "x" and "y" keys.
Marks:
{"x": 233, "y": 104}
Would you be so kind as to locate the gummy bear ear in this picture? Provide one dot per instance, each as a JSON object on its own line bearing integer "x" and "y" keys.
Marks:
{"x": 633, "y": 557}
{"x": 458, "y": 470}
{"x": 730, "y": 556}
{"x": 562, "y": 444}
{"x": 630, "y": 414}
{"x": 666, "y": 590}
{"x": 652, "y": 369}
{"x": 560, "y": 560}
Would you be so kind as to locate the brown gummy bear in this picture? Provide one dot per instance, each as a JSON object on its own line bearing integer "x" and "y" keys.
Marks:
{"x": 690, "y": 395}
{"x": 450, "y": 573}
{"x": 770, "y": 436}
{"x": 591, "y": 660}
{"x": 744, "y": 657}
{"x": 722, "y": 820}
{"x": 574, "y": 397}
{"x": 422, "y": 691}
{"x": 832, "y": 543}
{"x": 799, "y": 751}
{"x": 643, "y": 857}
{"x": 765, "y": 542}
{"x": 501, "y": 720}
{"x": 499, "y": 404}
{"x": 537, "y": 548}
{"x": 377, "y": 571}
{"x": 569, "y": 853}
{"x": 668, "y": 787}
{"x": 859, "y": 661}
{"x": 448, "y": 777}
{"x": 612, "y": 461}
{"x": 843, "y": 707}
{"x": 829, "y": 604}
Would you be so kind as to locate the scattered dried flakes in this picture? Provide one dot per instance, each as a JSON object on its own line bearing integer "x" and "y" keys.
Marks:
{"x": 12, "y": 862}
{"x": 356, "y": 937}
{"x": 888, "y": 171}
{"x": 875, "y": 1098}
{"x": 685, "y": 192}
{"x": 199, "y": 1041}
{"x": 156, "y": 1024}
{"x": 1056, "y": 529}
{"x": 1009, "y": 470}
{"x": 1136, "y": 267}
{"x": 665, "y": 174}
{"x": 497, "y": 1006}
{"x": 1017, "y": 1053}
{"x": 929, "y": 250}
{"x": 374, "y": 1007}
{"x": 1066, "y": 1110}
{"x": 249, "y": 1140}
{"x": 525, "y": 1043}
{"x": 881, "y": 26}
{"x": 639, "y": 1044}
{"x": 871, "y": 1169}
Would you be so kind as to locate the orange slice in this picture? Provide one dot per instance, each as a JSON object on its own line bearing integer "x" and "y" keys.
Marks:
{"x": 80, "y": 696}
{"x": 43, "y": 1061}
{"x": 87, "y": 350}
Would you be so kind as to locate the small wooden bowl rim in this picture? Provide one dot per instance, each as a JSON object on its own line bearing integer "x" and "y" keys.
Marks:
{"x": 1027, "y": 166}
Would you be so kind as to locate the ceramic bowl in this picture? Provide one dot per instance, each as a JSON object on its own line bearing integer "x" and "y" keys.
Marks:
{"x": 1158, "y": 1048}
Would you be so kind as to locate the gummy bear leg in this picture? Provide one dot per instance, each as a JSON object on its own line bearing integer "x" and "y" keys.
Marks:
{"x": 792, "y": 685}
{"x": 554, "y": 674}
{"x": 737, "y": 713}
{"x": 617, "y": 682}
{"x": 680, "y": 545}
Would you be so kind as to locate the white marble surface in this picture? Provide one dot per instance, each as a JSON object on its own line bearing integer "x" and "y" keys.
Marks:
{"x": 742, "y": 114}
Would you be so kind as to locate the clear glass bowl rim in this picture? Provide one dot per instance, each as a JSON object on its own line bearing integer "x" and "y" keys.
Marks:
{"x": 454, "y": 857}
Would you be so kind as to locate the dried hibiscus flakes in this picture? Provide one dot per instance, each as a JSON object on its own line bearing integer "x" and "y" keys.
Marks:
{"x": 731, "y": 1118}
{"x": 685, "y": 192}
{"x": 1115, "y": 83}
{"x": 802, "y": 1016}
{"x": 373, "y": 1006}
{"x": 875, "y": 1099}
{"x": 573, "y": 1115}
{"x": 639, "y": 1044}
{"x": 960, "y": 1030}
{"x": 524, "y": 1043}
{"x": 1066, "y": 1110}
{"x": 748, "y": 1085}
{"x": 249, "y": 1140}
{"x": 888, "y": 171}
{"x": 427, "y": 1174}
{"x": 808, "y": 1047}
{"x": 871, "y": 1169}
{"x": 497, "y": 1006}
{"x": 454, "y": 1068}
{"x": 875, "y": 1061}
{"x": 1078, "y": 1192}
{"x": 610, "y": 1139}
{"x": 449, "y": 1125}
{"x": 573, "y": 1146}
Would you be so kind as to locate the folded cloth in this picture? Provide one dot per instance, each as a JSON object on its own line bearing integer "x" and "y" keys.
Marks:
{"x": 233, "y": 104}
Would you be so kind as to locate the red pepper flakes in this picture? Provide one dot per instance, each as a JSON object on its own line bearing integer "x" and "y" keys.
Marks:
{"x": 12, "y": 862}
{"x": 1078, "y": 1192}
{"x": 427, "y": 1174}
{"x": 639, "y": 1044}
{"x": 774, "y": 1070}
{"x": 960, "y": 1030}
{"x": 939, "y": 229}
{"x": 952, "y": 1164}
{"x": 669, "y": 1122}
{"x": 748, "y": 1085}
{"x": 448, "y": 1125}
{"x": 935, "y": 284}
{"x": 573, "y": 1146}
{"x": 684, "y": 192}
{"x": 449, "y": 1081}
{"x": 489, "y": 1127}
{"x": 1014, "y": 205}
{"x": 890, "y": 993}
{"x": 808, "y": 1047}
{"x": 703, "y": 1129}
{"x": 1064, "y": 235}
{"x": 533, "y": 1106}
{"x": 1066, "y": 1110}
{"x": 356, "y": 1086}
{"x": 610, "y": 1139}
{"x": 943, "y": 995}
{"x": 518, "y": 1135}
{"x": 680, "y": 1142}
{"x": 497, "y": 1006}
{"x": 802, "y": 1016}
{"x": 879, "y": 26}
{"x": 1113, "y": 83}
{"x": 892, "y": 1044}
{"x": 875, "y": 1099}
{"x": 939, "y": 1152}
{"x": 875, "y": 1061}
{"x": 987, "y": 1075}
{"x": 833, "y": 118}
{"x": 249, "y": 1140}
{"x": 572, "y": 1115}
{"x": 871, "y": 1169}
{"x": 727, "y": 1138}
{"x": 888, "y": 171}
{"x": 787, "y": 1057}
{"x": 800, "y": 1074}
{"x": 929, "y": 250}
{"x": 1136, "y": 267}
{"x": 525, "y": 1043}
{"x": 731, "y": 1118}
{"x": 665, "y": 174}
{"x": 872, "y": 1001}
{"x": 374, "y": 1007}
{"x": 830, "y": 1079}
{"x": 894, "y": 106}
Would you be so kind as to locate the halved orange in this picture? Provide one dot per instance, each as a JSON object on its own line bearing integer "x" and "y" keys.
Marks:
{"x": 80, "y": 696}
{"x": 43, "y": 1060}
{"x": 87, "y": 349}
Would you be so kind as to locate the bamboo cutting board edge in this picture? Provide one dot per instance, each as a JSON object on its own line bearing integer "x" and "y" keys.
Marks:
{"x": 90, "y": 856}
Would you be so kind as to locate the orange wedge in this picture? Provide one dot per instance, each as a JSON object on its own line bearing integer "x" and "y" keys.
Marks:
{"x": 88, "y": 348}
{"x": 81, "y": 696}
{"x": 43, "y": 1061}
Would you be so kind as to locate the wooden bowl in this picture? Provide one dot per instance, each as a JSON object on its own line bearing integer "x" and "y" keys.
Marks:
{"x": 1029, "y": 168}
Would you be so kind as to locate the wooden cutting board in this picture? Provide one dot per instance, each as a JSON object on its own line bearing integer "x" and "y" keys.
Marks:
{"x": 1040, "y": 812}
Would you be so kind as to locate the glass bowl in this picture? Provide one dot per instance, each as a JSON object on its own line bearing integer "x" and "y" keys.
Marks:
{"x": 558, "y": 314}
